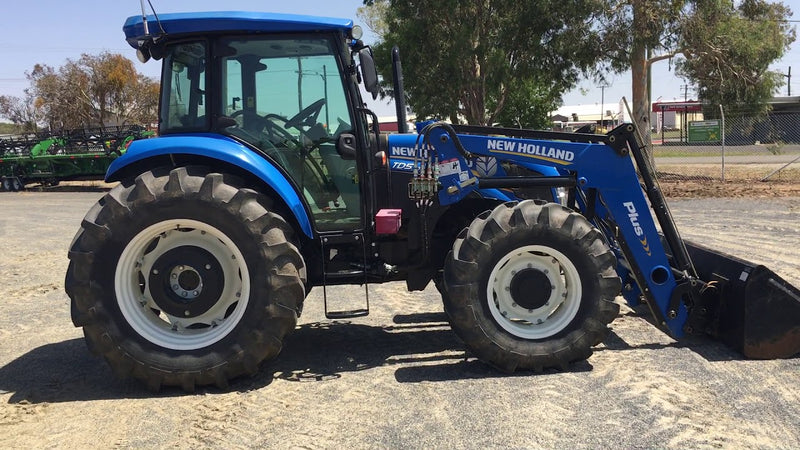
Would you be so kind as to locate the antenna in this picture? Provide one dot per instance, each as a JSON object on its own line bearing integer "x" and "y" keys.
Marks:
{"x": 144, "y": 19}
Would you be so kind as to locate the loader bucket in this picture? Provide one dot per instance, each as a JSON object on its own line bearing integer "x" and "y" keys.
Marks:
{"x": 756, "y": 311}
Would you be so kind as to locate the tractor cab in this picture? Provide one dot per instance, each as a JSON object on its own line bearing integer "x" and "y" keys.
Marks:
{"x": 285, "y": 88}
{"x": 291, "y": 97}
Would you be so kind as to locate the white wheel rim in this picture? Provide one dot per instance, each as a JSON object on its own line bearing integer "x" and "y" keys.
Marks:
{"x": 562, "y": 303}
{"x": 170, "y": 331}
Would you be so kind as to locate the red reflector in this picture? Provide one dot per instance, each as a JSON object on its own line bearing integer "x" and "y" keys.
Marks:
{"x": 387, "y": 221}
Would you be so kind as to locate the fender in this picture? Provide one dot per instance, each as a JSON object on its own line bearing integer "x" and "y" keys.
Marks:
{"x": 218, "y": 147}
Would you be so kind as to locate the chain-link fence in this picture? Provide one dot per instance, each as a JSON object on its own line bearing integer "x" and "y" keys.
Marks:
{"x": 734, "y": 147}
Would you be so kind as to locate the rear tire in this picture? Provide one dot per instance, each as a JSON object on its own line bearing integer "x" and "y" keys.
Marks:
{"x": 531, "y": 286}
{"x": 184, "y": 279}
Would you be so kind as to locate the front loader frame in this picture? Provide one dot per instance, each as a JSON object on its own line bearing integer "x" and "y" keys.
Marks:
{"x": 601, "y": 172}
{"x": 744, "y": 304}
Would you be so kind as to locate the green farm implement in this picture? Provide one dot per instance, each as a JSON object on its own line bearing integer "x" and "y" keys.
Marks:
{"x": 51, "y": 157}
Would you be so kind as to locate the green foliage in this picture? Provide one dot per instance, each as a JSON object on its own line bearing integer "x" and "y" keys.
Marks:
{"x": 490, "y": 60}
{"x": 528, "y": 105}
{"x": 727, "y": 52}
{"x": 630, "y": 27}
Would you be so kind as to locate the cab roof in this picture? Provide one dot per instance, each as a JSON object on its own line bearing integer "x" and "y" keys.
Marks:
{"x": 238, "y": 21}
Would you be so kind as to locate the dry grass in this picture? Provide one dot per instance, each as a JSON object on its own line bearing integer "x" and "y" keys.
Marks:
{"x": 741, "y": 180}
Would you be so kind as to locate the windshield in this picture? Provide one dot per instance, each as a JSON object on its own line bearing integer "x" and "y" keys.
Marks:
{"x": 279, "y": 78}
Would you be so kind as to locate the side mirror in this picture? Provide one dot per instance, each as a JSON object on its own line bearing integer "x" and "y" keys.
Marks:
{"x": 368, "y": 72}
{"x": 346, "y": 146}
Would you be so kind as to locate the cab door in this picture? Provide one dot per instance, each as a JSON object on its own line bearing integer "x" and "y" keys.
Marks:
{"x": 288, "y": 99}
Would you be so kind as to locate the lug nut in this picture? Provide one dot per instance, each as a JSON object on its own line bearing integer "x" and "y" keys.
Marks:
{"x": 208, "y": 266}
{"x": 155, "y": 271}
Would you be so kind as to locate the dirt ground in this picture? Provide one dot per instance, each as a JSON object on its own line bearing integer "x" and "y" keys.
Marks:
{"x": 741, "y": 180}
{"x": 397, "y": 378}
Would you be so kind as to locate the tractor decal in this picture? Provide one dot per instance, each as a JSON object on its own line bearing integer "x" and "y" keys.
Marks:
{"x": 551, "y": 154}
{"x": 402, "y": 158}
{"x": 485, "y": 166}
{"x": 633, "y": 216}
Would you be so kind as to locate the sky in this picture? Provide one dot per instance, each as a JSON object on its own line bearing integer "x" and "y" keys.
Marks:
{"x": 52, "y": 31}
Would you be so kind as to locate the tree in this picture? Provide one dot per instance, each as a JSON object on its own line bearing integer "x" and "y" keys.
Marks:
{"x": 636, "y": 34}
{"x": 727, "y": 52}
{"x": 529, "y": 104}
{"x": 479, "y": 59}
{"x": 22, "y": 112}
{"x": 95, "y": 90}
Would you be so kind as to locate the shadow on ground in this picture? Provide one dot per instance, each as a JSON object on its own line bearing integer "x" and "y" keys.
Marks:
{"x": 422, "y": 346}
{"x": 708, "y": 348}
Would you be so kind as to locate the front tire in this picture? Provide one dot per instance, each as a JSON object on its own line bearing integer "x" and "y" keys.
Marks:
{"x": 183, "y": 278}
{"x": 531, "y": 286}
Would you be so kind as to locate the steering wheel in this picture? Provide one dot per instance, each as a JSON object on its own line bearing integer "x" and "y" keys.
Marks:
{"x": 274, "y": 132}
{"x": 314, "y": 178}
{"x": 308, "y": 116}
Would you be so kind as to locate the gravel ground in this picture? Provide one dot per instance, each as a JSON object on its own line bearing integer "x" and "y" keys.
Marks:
{"x": 397, "y": 378}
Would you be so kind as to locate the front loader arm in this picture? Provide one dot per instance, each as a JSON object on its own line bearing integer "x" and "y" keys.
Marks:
{"x": 608, "y": 192}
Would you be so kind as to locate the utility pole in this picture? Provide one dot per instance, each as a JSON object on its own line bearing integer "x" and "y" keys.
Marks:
{"x": 685, "y": 88}
{"x": 602, "y": 87}
{"x": 789, "y": 80}
{"x": 685, "y": 117}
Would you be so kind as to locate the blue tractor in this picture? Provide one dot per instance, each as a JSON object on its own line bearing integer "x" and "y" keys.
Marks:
{"x": 270, "y": 177}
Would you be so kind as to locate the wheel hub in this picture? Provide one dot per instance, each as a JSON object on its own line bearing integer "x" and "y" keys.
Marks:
{"x": 533, "y": 292}
{"x": 530, "y": 288}
{"x": 186, "y": 281}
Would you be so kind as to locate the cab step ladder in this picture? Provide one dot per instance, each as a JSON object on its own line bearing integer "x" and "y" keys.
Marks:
{"x": 329, "y": 244}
